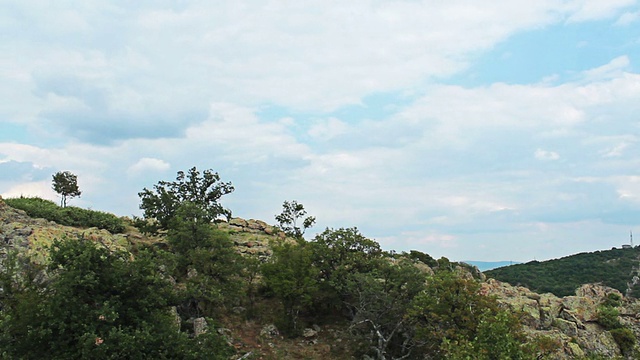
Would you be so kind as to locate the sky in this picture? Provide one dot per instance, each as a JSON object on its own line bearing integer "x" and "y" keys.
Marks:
{"x": 493, "y": 130}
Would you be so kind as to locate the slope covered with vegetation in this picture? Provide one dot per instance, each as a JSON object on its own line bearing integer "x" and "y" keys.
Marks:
{"x": 184, "y": 283}
{"x": 614, "y": 268}
{"x": 70, "y": 216}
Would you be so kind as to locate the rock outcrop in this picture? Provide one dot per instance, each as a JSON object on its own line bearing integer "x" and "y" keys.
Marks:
{"x": 252, "y": 237}
{"x": 571, "y": 321}
{"x": 20, "y": 232}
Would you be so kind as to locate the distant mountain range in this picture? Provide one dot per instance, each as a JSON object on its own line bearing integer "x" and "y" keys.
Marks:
{"x": 489, "y": 265}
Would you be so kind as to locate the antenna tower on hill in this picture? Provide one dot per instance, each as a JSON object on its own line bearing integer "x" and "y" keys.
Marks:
{"x": 631, "y": 237}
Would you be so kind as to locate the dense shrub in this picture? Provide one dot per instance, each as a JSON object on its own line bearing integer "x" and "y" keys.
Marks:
{"x": 70, "y": 216}
{"x": 608, "y": 317}
{"x": 96, "y": 303}
{"x": 625, "y": 338}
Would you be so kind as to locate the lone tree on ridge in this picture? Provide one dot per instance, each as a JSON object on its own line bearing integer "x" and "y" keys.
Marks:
{"x": 66, "y": 184}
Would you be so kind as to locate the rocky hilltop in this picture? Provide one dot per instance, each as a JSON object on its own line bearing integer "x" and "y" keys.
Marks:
{"x": 572, "y": 321}
{"x": 573, "y": 324}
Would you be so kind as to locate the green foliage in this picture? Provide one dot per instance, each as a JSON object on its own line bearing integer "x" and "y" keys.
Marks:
{"x": 563, "y": 276}
{"x": 379, "y": 301}
{"x": 545, "y": 346}
{"x": 625, "y": 339}
{"x": 202, "y": 190}
{"x": 69, "y": 216}
{"x": 205, "y": 261}
{"x": 189, "y": 229}
{"x": 291, "y": 278}
{"x": 422, "y": 257}
{"x": 292, "y": 212}
{"x": 612, "y": 300}
{"x": 66, "y": 184}
{"x": 95, "y": 303}
{"x": 497, "y": 337}
{"x": 449, "y": 309}
{"x": 337, "y": 254}
{"x": 608, "y": 317}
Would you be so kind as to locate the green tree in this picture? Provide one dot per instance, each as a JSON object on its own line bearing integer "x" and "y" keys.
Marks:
{"x": 292, "y": 279}
{"x": 337, "y": 254}
{"x": 96, "y": 303}
{"x": 66, "y": 184}
{"x": 379, "y": 301}
{"x": 288, "y": 220}
{"x": 498, "y": 337}
{"x": 450, "y": 308}
{"x": 203, "y": 190}
{"x": 206, "y": 262}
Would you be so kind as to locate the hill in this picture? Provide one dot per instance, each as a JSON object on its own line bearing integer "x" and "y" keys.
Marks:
{"x": 349, "y": 298}
{"x": 615, "y": 268}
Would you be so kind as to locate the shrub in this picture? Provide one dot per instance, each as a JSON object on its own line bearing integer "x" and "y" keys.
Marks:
{"x": 70, "y": 216}
{"x": 625, "y": 339}
{"x": 608, "y": 317}
{"x": 612, "y": 300}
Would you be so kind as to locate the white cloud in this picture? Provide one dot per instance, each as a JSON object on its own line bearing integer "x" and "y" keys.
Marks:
{"x": 628, "y": 18}
{"x": 142, "y": 61}
{"x": 546, "y": 155}
{"x": 328, "y": 129}
{"x": 584, "y": 10}
{"x": 239, "y": 134}
{"x": 40, "y": 189}
{"x": 616, "y": 151}
{"x": 439, "y": 244}
{"x": 613, "y": 69}
{"x": 151, "y": 90}
{"x": 145, "y": 165}
{"x": 628, "y": 187}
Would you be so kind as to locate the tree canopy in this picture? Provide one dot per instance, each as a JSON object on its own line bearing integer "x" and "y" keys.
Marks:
{"x": 66, "y": 184}
{"x": 93, "y": 302}
{"x": 292, "y": 213}
{"x": 202, "y": 190}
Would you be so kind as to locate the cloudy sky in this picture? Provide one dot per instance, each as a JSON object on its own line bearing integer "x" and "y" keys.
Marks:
{"x": 492, "y": 130}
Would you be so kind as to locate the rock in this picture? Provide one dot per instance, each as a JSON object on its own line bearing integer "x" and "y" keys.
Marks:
{"x": 176, "y": 317}
{"x": 26, "y": 231}
{"x": 567, "y": 327}
{"x": 596, "y": 291}
{"x": 572, "y": 320}
{"x": 575, "y": 350}
{"x": 199, "y": 326}
{"x": 594, "y": 339}
{"x": 582, "y": 308}
{"x": 309, "y": 333}
{"x": 256, "y": 224}
{"x": 242, "y": 223}
{"x": 269, "y": 331}
{"x": 424, "y": 268}
{"x": 550, "y": 307}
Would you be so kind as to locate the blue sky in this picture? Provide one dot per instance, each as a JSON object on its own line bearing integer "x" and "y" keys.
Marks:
{"x": 500, "y": 131}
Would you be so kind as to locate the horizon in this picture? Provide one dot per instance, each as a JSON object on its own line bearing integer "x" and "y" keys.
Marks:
{"x": 464, "y": 130}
